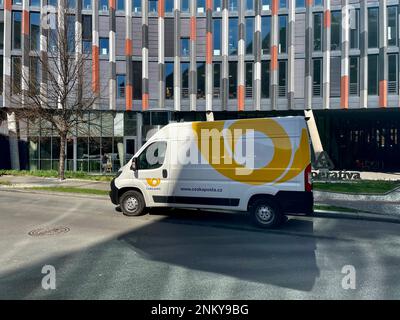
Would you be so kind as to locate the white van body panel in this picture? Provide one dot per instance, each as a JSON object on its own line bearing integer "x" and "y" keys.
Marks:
{"x": 189, "y": 176}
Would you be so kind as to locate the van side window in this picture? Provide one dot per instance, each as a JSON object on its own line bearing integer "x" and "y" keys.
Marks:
{"x": 153, "y": 156}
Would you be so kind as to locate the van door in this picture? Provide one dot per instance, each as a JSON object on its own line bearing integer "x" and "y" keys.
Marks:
{"x": 153, "y": 167}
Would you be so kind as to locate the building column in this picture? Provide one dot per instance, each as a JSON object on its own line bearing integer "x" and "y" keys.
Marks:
{"x": 224, "y": 55}
{"x": 25, "y": 40}
{"x": 326, "y": 89}
{"x": 241, "y": 52}
{"x": 344, "y": 80}
{"x": 128, "y": 56}
{"x": 209, "y": 54}
{"x": 95, "y": 52}
{"x": 363, "y": 55}
{"x": 193, "y": 60}
{"x": 383, "y": 58}
{"x": 161, "y": 59}
{"x": 257, "y": 55}
{"x": 177, "y": 55}
{"x": 75, "y": 153}
{"x": 78, "y": 45}
{"x": 7, "y": 53}
{"x": 13, "y": 140}
{"x": 43, "y": 49}
{"x": 112, "y": 82}
{"x": 139, "y": 130}
{"x": 274, "y": 53}
{"x": 291, "y": 53}
{"x": 145, "y": 55}
{"x": 308, "y": 56}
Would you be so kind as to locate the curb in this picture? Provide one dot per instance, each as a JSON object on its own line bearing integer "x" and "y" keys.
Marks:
{"x": 376, "y": 217}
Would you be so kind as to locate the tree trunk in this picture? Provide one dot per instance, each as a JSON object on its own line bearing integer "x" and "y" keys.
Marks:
{"x": 61, "y": 167}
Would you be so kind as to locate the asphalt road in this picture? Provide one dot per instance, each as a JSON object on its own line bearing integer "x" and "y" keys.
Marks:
{"x": 187, "y": 254}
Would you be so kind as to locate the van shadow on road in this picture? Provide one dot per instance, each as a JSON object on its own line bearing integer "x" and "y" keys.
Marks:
{"x": 231, "y": 247}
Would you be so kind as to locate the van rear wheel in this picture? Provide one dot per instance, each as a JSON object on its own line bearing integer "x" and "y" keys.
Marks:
{"x": 266, "y": 213}
{"x": 132, "y": 203}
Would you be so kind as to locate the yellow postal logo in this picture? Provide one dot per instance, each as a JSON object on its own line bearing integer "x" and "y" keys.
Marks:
{"x": 283, "y": 167}
{"x": 153, "y": 182}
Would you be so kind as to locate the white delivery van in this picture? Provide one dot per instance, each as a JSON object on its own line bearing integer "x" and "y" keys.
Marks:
{"x": 261, "y": 166}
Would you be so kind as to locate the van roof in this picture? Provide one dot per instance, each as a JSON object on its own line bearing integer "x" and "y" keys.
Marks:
{"x": 244, "y": 119}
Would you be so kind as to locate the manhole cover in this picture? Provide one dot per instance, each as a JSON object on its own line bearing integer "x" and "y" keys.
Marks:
{"x": 48, "y": 231}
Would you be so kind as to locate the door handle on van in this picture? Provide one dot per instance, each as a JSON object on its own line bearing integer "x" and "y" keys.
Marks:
{"x": 164, "y": 173}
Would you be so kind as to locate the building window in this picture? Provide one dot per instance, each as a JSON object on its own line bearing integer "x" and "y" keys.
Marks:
{"x": 121, "y": 5}
{"x": 1, "y": 35}
{"x": 136, "y": 6}
{"x": 153, "y": 5}
{"x": 34, "y": 3}
{"x": 282, "y": 3}
{"x": 265, "y": 34}
{"x": 336, "y": 30}
{"x": 169, "y": 5}
{"x": 318, "y": 3}
{"x": 34, "y": 74}
{"x": 354, "y": 28}
{"x": 16, "y": 75}
{"x": 103, "y": 42}
{"x": 120, "y": 86}
{"x": 392, "y": 74}
{"x": 103, "y": 5}
{"x": 249, "y": 35}
{"x": 87, "y": 5}
{"x": 265, "y": 5}
{"x": 217, "y": 5}
{"x": 373, "y": 27}
{"x": 1, "y": 78}
{"x": 169, "y": 80}
{"x": 282, "y": 79}
{"x": 185, "y": 45}
{"x": 392, "y": 26}
{"x": 16, "y": 29}
{"x": 300, "y": 3}
{"x": 354, "y": 78}
{"x": 185, "y": 80}
{"x": 201, "y": 6}
{"x": 233, "y": 36}
{"x": 87, "y": 34}
{"x": 233, "y": 5}
{"x": 201, "y": 80}
{"x": 373, "y": 74}
{"x": 249, "y": 5}
{"x": 35, "y": 30}
{"x": 185, "y": 5}
{"x": 317, "y": 77}
{"x": 217, "y": 80}
{"x": 318, "y": 31}
{"x": 217, "y": 37}
{"x": 282, "y": 34}
{"x": 232, "y": 80}
{"x": 265, "y": 79}
{"x": 249, "y": 79}
{"x": 137, "y": 80}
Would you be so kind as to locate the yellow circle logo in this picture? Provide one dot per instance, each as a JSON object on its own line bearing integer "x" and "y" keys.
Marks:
{"x": 278, "y": 170}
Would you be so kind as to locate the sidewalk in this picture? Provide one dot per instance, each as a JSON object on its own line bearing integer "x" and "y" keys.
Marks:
{"x": 31, "y": 182}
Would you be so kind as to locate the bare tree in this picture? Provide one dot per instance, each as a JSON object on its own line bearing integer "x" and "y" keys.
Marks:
{"x": 62, "y": 95}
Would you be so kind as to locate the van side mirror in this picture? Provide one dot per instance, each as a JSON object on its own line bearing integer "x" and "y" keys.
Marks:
{"x": 135, "y": 164}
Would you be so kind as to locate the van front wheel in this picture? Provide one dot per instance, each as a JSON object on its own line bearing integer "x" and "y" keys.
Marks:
{"x": 266, "y": 214}
{"x": 132, "y": 203}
